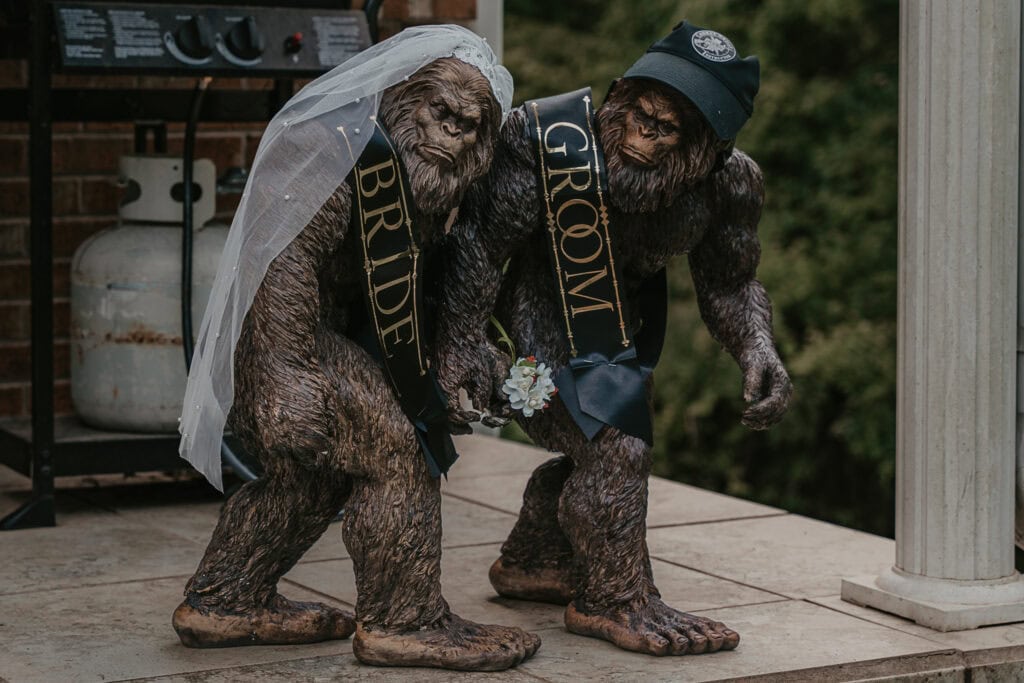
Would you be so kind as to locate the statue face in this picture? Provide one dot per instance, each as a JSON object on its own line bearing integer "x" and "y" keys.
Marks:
{"x": 447, "y": 124}
{"x": 652, "y": 130}
{"x": 656, "y": 144}
{"x": 444, "y": 121}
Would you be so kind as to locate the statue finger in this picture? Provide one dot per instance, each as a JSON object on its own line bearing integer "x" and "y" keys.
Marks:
{"x": 494, "y": 421}
{"x": 503, "y": 409}
{"x": 459, "y": 428}
{"x": 766, "y": 412}
{"x": 753, "y": 380}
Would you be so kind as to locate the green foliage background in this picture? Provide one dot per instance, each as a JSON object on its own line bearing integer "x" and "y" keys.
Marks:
{"x": 824, "y": 131}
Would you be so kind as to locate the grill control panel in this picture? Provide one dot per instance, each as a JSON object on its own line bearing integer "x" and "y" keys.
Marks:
{"x": 197, "y": 39}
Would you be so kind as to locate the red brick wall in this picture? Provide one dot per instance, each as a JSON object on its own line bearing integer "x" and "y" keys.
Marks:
{"x": 85, "y": 196}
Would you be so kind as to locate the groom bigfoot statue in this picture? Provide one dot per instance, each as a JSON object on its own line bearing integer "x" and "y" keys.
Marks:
{"x": 585, "y": 213}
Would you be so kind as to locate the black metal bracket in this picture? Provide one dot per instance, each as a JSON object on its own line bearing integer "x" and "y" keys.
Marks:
{"x": 37, "y": 512}
{"x": 148, "y": 105}
{"x": 35, "y": 451}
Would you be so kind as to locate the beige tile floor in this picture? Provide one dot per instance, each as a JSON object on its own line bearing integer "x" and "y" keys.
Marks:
{"x": 90, "y": 600}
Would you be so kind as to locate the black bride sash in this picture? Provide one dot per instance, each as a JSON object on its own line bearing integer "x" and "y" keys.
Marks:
{"x": 393, "y": 295}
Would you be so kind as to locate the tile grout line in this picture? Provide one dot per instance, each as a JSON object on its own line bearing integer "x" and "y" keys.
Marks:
{"x": 340, "y": 655}
{"x": 116, "y": 512}
{"x": 527, "y": 672}
{"x": 472, "y": 545}
{"x": 476, "y": 502}
{"x": 725, "y": 578}
{"x": 317, "y": 592}
{"x": 186, "y": 674}
{"x": 766, "y": 515}
{"x": 100, "y": 584}
{"x": 954, "y": 648}
{"x": 745, "y": 604}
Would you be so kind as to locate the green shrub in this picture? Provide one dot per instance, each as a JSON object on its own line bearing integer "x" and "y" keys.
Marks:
{"x": 825, "y": 133}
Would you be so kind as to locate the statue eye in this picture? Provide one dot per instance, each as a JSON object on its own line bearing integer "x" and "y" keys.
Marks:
{"x": 439, "y": 108}
{"x": 651, "y": 122}
{"x": 666, "y": 129}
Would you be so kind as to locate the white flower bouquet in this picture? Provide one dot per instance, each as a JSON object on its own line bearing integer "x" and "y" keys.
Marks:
{"x": 529, "y": 386}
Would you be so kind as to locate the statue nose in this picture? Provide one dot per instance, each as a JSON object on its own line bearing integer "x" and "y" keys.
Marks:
{"x": 450, "y": 129}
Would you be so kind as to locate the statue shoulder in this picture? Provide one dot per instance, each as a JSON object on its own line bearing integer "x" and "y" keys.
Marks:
{"x": 737, "y": 189}
{"x": 515, "y": 143}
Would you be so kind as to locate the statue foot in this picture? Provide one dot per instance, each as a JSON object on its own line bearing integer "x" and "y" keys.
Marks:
{"x": 652, "y": 627}
{"x": 282, "y": 623}
{"x": 549, "y": 584}
{"x": 452, "y": 643}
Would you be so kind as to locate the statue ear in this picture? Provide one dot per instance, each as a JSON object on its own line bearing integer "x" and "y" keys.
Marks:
{"x": 611, "y": 88}
{"x": 723, "y": 150}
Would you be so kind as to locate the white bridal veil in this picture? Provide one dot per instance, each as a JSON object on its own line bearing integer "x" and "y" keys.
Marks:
{"x": 301, "y": 161}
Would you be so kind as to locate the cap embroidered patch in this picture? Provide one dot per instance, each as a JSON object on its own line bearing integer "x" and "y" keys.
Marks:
{"x": 713, "y": 45}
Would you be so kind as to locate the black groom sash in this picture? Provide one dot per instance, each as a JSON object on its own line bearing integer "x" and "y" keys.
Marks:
{"x": 604, "y": 382}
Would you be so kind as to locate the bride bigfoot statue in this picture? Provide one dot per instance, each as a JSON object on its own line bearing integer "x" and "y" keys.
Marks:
{"x": 584, "y": 293}
{"x": 327, "y": 269}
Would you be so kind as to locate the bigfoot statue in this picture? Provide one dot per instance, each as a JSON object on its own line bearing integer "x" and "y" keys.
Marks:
{"x": 333, "y": 332}
{"x": 583, "y": 245}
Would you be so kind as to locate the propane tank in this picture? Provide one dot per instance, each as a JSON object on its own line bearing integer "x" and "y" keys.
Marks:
{"x": 127, "y": 364}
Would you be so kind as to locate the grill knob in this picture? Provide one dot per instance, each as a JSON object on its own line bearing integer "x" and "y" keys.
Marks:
{"x": 195, "y": 38}
{"x": 245, "y": 40}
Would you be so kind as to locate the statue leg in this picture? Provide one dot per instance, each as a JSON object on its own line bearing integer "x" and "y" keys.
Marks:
{"x": 263, "y": 530}
{"x": 536, "y": 559}
{"x": 603, "y": 511}
{"x": 392, "y": 527}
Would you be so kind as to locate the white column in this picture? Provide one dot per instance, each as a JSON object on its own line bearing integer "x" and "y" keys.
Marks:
{"x": 490, "y": 23}
{"x": 955, "y": 456}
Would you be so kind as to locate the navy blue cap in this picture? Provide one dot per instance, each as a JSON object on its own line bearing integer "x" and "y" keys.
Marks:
{"x": 704, "y": 66}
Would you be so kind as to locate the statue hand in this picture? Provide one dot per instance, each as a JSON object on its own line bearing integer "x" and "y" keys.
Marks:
{"x": 471, "y": 374}
{"x": 766, "y": 388}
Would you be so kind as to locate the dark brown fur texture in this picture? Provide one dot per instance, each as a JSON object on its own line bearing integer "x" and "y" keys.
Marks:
{"x": 580, "y": 537}
{"x": 316, "y": 410}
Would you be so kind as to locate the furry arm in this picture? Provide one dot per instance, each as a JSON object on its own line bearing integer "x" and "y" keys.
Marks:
{"x": 495, "y": 217}
{"x": 733, "y": 304}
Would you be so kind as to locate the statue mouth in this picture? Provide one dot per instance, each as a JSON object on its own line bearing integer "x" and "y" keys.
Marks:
{"x": 436, "y": 154}
{"x": 637, "y": 156}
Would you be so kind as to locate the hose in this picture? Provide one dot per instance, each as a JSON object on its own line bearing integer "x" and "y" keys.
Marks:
{"x": 188, "y": 158}
{"x": 372, "y": 9}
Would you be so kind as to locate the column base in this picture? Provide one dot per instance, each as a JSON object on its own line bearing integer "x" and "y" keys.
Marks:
{"x": 940, "y": 604}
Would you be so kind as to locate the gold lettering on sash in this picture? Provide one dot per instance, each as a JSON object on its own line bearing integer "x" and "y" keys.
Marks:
{"x": 375, "y": 171}
{"x": 389, "y": 310}
{"x": 568, "y": 173}
{"x": 607, "y": 231}
{"x": 382, "y": 222}
{"x": 377, "y": 263}
{"x": 562, "y": 148}
{"x": 580, "y": 232}
{"x": 541, "y": 136}
{"x": 393, "y": 303}
{"x": 393, "y": 329}
{"x": 595, "y": 275}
